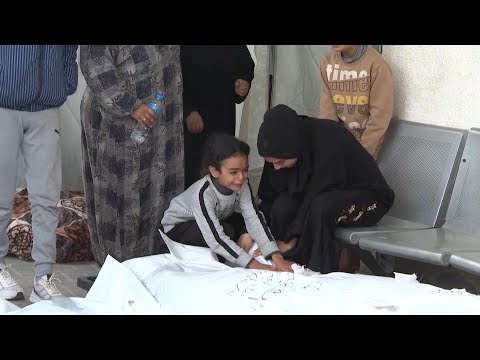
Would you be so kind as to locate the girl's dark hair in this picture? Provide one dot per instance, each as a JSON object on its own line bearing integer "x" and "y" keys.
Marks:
{"x": 219, "y": 147}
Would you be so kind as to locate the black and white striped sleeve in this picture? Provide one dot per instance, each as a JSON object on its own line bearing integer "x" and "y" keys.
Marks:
{"x": 204, "y": 211}
{"x": 255, "y": 222}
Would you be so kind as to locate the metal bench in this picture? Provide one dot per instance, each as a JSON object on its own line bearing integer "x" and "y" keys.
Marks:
{"x": 461, "y": 233}
{"x": 419, "y": 161}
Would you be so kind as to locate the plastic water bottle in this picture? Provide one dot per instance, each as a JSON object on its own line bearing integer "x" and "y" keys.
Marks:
{"x": 139, "y": 134}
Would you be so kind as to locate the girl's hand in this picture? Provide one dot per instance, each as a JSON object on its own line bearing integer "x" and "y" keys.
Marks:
{"x": 194, "y": 122}
{"x": 259, "y": 266}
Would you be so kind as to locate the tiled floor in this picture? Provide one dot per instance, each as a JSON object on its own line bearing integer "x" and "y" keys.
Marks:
{"x": 443, "y": 277}
{"x": 22, "y": 272}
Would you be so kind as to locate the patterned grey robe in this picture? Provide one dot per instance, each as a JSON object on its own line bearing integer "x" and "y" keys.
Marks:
{"x": 129, "y": 186}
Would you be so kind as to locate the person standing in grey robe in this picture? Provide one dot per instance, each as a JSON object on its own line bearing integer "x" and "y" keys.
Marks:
{"x": 128, "y": 186}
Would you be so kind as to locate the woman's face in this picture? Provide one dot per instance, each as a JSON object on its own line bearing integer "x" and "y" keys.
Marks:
{"x": 233, "y": 172}
{"x": 281, "y": 163}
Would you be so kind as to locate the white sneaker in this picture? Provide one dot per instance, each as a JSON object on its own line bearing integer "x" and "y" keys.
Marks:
{"x": 9, "y": 288}
{"x": 44, "y": 289}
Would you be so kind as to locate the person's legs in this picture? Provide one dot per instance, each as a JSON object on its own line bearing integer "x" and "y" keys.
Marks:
{"x": 10, "y": 142}
{"x": 235, "y": 224}
{"x": 361, "y": 209}
{"x": 187, "y": 233}
{"x": 316, "y": 248}
{"x": 43, "y": 172}
{"x": 193, "y": 156}
{"x": 245, "y": 241}
{"x": 279, "y": 215}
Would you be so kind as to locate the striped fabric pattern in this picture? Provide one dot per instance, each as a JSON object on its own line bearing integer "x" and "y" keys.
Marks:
{"x": 37, "y": 77}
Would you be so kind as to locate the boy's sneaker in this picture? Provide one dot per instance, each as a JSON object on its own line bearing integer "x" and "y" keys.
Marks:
{"x": 44, "y": 289}
{"x": 9, "y": 289}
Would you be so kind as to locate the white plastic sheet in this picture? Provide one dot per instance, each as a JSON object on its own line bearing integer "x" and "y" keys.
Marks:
{"x": 191, "y": 287}
{"x": 192, "y": 281}
{"x": 115, "y": 292}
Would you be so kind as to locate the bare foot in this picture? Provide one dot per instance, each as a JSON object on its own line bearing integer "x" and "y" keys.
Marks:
{"x": 284, "y": 247}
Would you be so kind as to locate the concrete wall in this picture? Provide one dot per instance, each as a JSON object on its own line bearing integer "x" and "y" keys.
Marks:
{"x": 436, "y": 84}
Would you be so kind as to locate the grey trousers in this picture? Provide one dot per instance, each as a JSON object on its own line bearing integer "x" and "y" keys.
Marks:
{"x": 36, "y": 135}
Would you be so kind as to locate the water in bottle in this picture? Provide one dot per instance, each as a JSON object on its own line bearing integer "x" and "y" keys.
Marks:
{"x": 139, "y": 134}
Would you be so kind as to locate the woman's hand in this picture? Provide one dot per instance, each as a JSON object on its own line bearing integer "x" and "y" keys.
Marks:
{"x": 144, "y": 116}
{"x": 281, "y": 264}
{"x": 242, "y": 87}
{"x": 194, "y": 122}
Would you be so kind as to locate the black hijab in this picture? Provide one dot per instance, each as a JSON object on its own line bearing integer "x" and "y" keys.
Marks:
{"x": 282, "y": 135}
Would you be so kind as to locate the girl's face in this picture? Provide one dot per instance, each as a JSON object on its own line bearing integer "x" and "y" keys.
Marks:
{"x": 281, "y": 163}
{"x": 233, "y": 172}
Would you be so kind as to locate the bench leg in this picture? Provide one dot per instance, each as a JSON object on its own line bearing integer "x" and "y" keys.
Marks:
{"x": 85, "y": 282}
{"x": 369, "y": 260}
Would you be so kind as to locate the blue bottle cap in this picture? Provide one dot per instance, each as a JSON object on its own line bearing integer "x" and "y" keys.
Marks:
{"x": 159, "y": 96}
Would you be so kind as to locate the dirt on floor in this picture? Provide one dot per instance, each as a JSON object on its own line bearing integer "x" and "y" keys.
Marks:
{"x": 443, "y": 277}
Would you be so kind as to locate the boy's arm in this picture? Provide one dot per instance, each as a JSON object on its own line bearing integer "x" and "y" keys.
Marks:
{"x": 381, "y": 110}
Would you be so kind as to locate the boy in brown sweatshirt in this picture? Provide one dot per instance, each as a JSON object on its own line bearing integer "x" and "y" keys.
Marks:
{"x": 357, "y": 89}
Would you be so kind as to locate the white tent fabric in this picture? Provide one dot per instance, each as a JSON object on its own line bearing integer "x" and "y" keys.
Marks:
{"x": 296, "y": 81}
{"x": 255, "y": 105}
